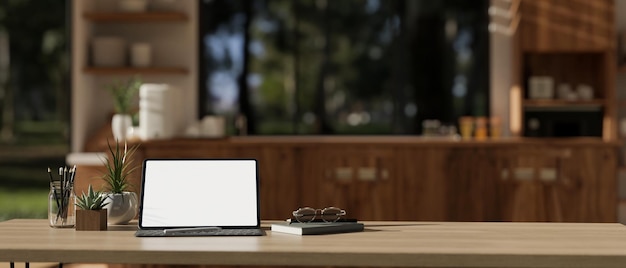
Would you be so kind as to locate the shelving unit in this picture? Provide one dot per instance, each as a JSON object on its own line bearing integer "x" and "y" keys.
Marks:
{"x": 597, "y": 103}
{"x": 154, "y": 16}
{"x": 135, "y": 70}
{"x": 573, "y": 43}
{"x": 173, "y": 36}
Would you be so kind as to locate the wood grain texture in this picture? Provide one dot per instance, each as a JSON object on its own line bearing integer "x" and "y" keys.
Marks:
{"x": 412, "y": 178}
{"x": 383, "y": 244}
{"x": 91, "y": 220}
{"x": 562, "y": 25}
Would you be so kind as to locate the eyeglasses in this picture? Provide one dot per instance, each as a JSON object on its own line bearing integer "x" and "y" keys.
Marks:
{"x": 307, "y": 214}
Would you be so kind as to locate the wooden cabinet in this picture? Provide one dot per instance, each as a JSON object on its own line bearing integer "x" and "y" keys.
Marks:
{"x": 573, "y": 44}
{"x": 422, "y": 170}
{"x": 472, "y": 185}
{"x": 411, "y": 178}
{"x": 360, "y": 179}
{"x": 533, "y": 182}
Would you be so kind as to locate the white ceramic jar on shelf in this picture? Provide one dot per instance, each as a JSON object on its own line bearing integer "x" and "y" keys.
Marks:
{"x": 541, "y": 87}
{"x": 140, "y": 54}
{"x": 159, "y": 111}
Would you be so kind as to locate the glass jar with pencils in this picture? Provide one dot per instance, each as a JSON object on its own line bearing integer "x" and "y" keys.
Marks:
{"x": 62, "y": 202}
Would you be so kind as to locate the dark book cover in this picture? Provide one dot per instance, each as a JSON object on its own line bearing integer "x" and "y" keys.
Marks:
{"x": 317, "y": 228}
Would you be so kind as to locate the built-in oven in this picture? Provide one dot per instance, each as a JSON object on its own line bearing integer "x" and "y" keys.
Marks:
{"x": 563, "y": 121}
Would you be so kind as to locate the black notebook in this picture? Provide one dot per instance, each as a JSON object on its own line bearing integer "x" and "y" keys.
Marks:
{"x": 199, "y": 197}
{"x": 317, "y": 228}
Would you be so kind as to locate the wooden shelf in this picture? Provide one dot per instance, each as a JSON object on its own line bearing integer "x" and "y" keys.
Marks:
{"x": 135, "y": 16}
{"x": 133, "y": 70}
{"x": 563, "y": 104}
{"x": 573, "y": 50}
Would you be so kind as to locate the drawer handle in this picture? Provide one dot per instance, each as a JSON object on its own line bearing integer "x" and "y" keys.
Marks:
{"x": 343, "y": 174}
{"x": 366, "y": 174}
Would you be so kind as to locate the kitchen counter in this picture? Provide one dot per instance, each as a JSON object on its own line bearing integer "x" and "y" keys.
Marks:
{"x": 421, "y": 178}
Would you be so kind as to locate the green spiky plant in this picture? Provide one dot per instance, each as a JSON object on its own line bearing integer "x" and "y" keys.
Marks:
{"x": 119, "y": 167}
{"x": 124, "y": 93}
{"x": 92, "y": 200}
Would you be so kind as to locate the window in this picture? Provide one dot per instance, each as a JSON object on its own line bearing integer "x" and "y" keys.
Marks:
{"x": 34, "y": 102}
{"x": 343, "y": 67}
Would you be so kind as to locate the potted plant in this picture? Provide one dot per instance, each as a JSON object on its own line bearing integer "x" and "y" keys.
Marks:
{"x": 123, "y": 94}
{"x": 123, "y": 203}
{"x": 91, "y": 215}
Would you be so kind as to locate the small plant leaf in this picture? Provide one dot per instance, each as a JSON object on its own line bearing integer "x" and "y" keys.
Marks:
{"x": 92, "y": 200}
{"x": 119, "y": 167}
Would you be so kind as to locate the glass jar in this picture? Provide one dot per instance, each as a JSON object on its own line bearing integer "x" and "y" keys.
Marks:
{"x": 61, "y": 205}
{"x": 480, "y": 128}
{"x": 466, "y": 126}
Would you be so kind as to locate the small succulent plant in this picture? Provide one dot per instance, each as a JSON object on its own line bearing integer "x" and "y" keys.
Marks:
{"x": 92, "y": 200}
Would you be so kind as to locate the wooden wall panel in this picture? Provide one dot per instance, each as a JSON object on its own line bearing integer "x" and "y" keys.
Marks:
{"x": 565, "y": 25}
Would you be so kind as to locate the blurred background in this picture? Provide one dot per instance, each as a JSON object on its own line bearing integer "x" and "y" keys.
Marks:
{"x": 290, "y": 67}
{"x": 34, "y": 102}
{"x": 344, "y": 67}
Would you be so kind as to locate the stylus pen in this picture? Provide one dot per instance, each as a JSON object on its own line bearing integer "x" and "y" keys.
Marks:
{"x": 192, "y": 229}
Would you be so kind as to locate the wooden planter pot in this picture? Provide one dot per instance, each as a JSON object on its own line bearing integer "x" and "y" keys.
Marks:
{"x": 91, "y": 220}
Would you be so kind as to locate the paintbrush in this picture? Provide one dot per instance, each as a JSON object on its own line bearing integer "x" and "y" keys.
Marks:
{"x": 62, "y": 179}
{"x": 72, "y": 175}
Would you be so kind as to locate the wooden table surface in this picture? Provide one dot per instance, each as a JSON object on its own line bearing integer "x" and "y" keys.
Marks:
{"x": 400, "y": 244}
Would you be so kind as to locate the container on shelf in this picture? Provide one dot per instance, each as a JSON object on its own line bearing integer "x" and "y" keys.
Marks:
{"x": 541, "y": 87}
{"x": 133, "y": 5}
{"x": 140, "y": 55}
{"x": 159, "y": 115}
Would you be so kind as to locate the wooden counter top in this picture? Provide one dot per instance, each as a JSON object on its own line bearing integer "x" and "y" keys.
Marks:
{"x": 389, "y": 140}
{"x": 382, "y": 244}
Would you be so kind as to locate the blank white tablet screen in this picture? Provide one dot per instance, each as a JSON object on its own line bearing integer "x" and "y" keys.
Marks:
{"x": 207, "y": 192}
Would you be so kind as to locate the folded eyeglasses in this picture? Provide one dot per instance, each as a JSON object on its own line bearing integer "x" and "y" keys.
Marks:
{"x": 308, "y": 214}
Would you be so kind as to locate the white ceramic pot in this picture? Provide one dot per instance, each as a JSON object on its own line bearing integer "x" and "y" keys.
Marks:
{"x": 140, "y": 55}
{"x": 120, "y": 125}
{"x": 121, "y": 207}
{"x": 213, "y": 126}
{"x": 541, "y": 87}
